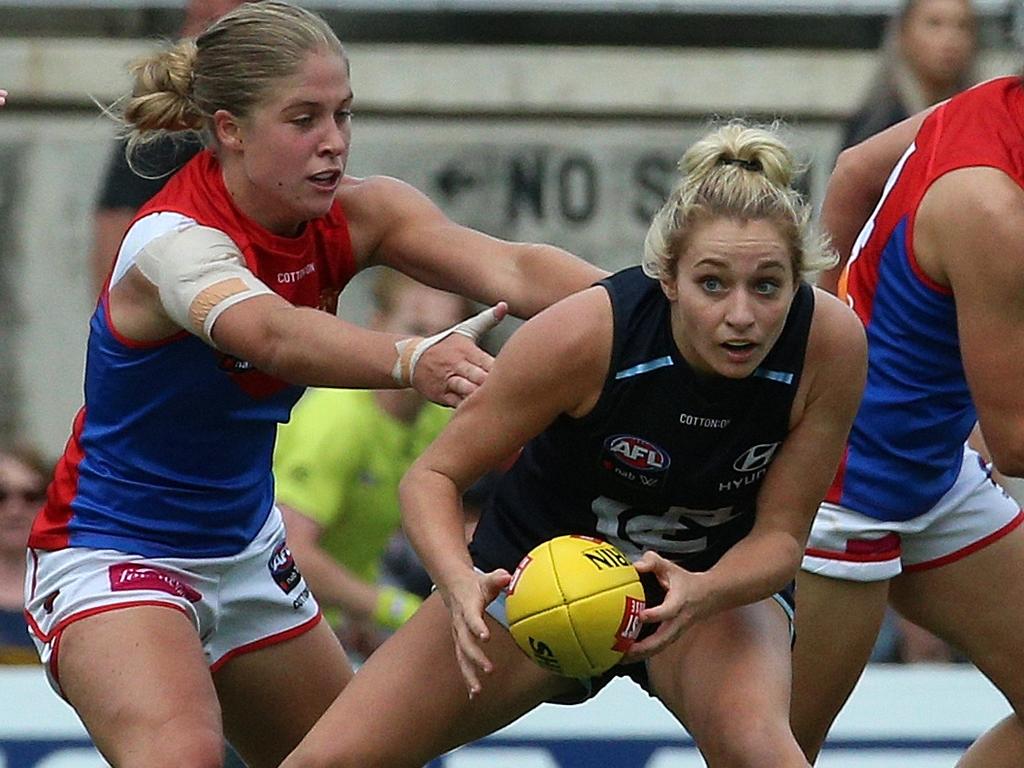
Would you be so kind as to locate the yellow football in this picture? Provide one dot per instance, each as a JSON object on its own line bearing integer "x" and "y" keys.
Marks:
{"x": 574, "y": 604}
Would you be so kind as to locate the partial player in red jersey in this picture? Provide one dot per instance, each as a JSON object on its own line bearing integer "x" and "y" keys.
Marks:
{"x": 914, "y": 518}
{"x": 160, "y": 590}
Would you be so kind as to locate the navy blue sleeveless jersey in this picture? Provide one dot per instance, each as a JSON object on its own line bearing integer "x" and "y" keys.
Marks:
{"x": 665, "y": 461}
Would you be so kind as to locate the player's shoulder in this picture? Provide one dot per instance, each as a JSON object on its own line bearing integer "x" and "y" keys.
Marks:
{"x": 357, "y": 192}
{"x": 836, "y": 331}
{"x": 973, "y": 194}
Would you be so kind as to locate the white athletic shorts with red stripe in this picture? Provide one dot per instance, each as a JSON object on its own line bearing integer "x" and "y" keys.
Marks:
{"x": 237, "y": 604}
{"x": 971, "y": 515}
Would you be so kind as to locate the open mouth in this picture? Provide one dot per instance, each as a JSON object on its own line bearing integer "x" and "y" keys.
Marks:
{"x": 739, "y": 351}
{"x": 738, "y": 346}
{"x": 326, "y": 179}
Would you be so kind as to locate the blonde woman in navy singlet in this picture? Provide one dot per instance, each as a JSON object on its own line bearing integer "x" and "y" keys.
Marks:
{"x": 729, "y": 385}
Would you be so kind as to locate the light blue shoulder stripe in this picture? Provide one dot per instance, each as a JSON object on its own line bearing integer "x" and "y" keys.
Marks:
{"x": 782, "y": 376}
{"x": 650, "y": 365}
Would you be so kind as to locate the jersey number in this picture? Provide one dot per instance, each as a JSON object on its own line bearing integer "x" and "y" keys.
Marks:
{"x": 671, "y": 530}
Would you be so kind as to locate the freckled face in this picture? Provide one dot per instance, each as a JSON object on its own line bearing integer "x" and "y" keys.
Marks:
{"x": 730, "y": 296}
{"x": 293, "y": 148}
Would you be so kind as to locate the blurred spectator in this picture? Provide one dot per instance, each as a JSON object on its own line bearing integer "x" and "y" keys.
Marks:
{"x": 337, "y": 466}
{"x": 3, "y": 97}
{"x": 124, "y": 191}
{"x": 23, "y": 477}
{"x": 928, "y": 54}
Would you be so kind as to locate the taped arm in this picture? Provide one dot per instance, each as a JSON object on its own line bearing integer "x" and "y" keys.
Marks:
{"x": 199, "y": 272}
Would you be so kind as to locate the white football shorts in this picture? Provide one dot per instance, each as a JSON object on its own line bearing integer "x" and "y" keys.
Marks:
{"x": 237, "y": 604}
{"x": 972, "y": 514}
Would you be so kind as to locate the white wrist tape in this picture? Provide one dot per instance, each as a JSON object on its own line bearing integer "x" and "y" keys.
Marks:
{"x": 411, "y": 350}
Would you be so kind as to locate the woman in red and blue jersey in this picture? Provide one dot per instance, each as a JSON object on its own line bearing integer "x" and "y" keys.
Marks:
{"x": 160, "y": 589}
{"x": 913, "y": 517}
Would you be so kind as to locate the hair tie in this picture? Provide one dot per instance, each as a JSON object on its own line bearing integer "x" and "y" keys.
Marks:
{"x": 747, "y": 165}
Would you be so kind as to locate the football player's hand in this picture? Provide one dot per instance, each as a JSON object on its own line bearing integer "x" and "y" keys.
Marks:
{"x": 448, "y": 367}
{"x": 467, "y": 601}
{"x": 676, "y": 612}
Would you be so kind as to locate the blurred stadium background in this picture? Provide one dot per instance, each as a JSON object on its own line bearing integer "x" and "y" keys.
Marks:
{"x": 554, "y": 120}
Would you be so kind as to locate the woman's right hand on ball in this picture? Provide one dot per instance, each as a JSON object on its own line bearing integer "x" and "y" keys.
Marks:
{"x": 467, "y": 600}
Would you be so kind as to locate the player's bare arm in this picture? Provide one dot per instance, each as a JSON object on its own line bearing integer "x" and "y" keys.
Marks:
{"x": 554, "y": 364}
{"x": 406, "y": 230}
{"x": 968, "y": 237}
{"x": 855, "y": 186}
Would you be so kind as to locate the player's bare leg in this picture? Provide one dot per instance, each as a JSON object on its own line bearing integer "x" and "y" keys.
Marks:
{"x": 1002, "y": 744}
{"x": 409, "y": 702}
{"x": 273, "y": 696}
{"x": 837, "y": 623}
{"x": 977, "y": 605}
{"x": 139, "y": 681}
{"x": 727, "y": 679}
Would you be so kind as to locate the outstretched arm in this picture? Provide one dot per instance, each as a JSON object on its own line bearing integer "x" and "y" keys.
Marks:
{"x": 395, "y": 224}
{"x": 196, "y": 280}
{"x": 554, "y": 364}
{"x": 855, "y": 186}
{"x": 307, "y": 346}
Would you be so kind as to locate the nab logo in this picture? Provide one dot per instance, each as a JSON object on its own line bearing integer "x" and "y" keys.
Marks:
{"x": 629, "y": 628}
{"x": 636, "y": 453}
{"x": 232, "y": 364}
{"x": 756, "y": 457}
{"x": 606, "y": 557}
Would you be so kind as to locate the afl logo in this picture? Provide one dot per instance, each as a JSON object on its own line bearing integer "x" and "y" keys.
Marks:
{"x": 756, "y": 457}
{"x": 636, "y": 453}
{"x": 282, "y": 568}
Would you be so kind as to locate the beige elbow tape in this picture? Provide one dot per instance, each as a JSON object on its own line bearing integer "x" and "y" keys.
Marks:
{"x": 199, "y": 272}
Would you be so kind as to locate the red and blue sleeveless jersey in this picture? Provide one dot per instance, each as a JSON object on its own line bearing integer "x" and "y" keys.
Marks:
{"x": 906, "y": 445}
{"x": 171, "y": 454}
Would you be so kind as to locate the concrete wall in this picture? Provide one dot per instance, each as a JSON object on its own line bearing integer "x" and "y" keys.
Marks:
{"x": 569, "y": 145}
